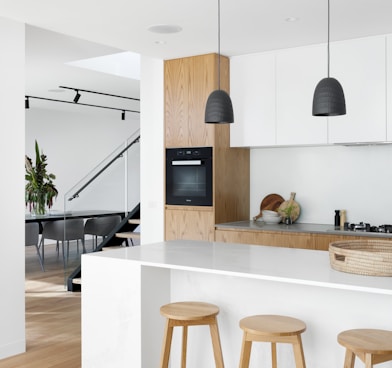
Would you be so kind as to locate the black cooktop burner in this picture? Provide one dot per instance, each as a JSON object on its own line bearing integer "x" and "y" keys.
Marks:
{"x": 367, "y": 228}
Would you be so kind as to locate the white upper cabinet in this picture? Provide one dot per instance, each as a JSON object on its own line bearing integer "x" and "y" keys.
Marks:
{"x": 359, "y": 65}
{"x": 389, "y": 88}
{"x": 252, "y": 91}
{"x": 298, "y": 72}
{"x": 272, "y": 94}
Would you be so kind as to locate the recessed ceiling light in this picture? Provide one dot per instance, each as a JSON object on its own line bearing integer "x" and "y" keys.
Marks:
{"x": 158, "y": 42}
{"x": 165, "y": 28}
{"x": 292, "y": 19}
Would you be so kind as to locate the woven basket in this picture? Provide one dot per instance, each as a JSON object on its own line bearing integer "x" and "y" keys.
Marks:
{"x": 363, "y": 257}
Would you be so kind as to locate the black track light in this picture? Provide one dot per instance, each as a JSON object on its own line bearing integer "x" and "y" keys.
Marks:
{"x": 77, "y": 96}
{"x": 27, "y": 103}
{"x": 123, "y": 115}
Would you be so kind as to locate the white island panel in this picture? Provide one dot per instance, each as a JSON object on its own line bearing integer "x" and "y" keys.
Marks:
{"x": 325, "y": 311}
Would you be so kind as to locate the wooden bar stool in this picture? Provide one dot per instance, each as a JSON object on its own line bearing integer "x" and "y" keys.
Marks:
{"x": 371, "y": 346}
{"x": 190, "y": 314}
{"x": 273, "y": 329}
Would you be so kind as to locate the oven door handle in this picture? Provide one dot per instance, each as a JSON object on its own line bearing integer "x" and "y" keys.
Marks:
{"x": 186, "y": 163}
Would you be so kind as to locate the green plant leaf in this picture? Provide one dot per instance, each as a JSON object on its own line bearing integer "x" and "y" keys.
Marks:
{"x": 40, "y": 189}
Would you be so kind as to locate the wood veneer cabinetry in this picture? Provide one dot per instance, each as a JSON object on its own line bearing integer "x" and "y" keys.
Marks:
{"x": 188, "y": 83}
{"x": 282, "y": 239}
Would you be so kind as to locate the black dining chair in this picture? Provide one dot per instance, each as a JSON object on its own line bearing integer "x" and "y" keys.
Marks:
{"x": 61, "y": 231}
{"x": 101, "y": 227}
{"x": 32, "y": 238}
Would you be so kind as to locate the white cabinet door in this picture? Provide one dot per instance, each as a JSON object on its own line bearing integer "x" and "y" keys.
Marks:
{"x": 252, "y": 91}
{"x": 389, "y": 88}
{"x": 297, "y": 73}
{"x": 359, "y": 65}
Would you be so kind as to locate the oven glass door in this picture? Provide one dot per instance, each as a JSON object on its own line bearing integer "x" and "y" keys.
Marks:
{"x": 189, "y": 178}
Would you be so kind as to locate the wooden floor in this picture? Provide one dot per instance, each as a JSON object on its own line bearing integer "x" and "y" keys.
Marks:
{"x": 52, "y": 316}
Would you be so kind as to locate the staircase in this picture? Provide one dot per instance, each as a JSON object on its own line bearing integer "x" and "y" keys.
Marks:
{"x": 123, "y": 232}
{"x": 130, "y": 235}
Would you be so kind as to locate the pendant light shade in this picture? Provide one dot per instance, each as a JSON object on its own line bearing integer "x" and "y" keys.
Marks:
{"x": 328, "y": 98}
{"x": 219, "y": 109}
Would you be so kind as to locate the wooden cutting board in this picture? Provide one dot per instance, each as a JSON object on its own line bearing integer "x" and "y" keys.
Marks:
{"x": 296, "y": 208}
{"x": 271, "y": 203}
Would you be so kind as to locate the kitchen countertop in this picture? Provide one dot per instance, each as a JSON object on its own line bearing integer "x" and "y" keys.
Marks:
{"x": 299, "y": 266}
{"x": 324, "y": 229}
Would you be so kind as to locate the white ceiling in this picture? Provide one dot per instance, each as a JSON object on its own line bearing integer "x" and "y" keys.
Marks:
{"x": 247, "y": 26}
{"x": 49, "y": 59}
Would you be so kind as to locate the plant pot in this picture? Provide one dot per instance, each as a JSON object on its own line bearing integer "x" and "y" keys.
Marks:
{"x": 38, "y": 209}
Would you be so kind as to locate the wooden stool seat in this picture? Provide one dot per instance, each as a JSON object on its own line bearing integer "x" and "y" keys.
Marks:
{"x": 372, "y": 346}
{"x": 186, "y": 314}
{"x": 273, "y": 329}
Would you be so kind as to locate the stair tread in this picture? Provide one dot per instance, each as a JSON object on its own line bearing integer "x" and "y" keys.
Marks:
{"x": 111, "y": 247}
{"x": 134, "y": 221}
{"x": 77, "y": 280}
{"x": 128, "y": 235}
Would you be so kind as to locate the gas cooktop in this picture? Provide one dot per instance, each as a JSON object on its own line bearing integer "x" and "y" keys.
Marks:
{"x": 365, "y": 227}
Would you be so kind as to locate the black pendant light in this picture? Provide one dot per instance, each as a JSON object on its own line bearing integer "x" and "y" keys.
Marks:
{"x": 219, "y": 109}
{"x": 328, "y": 98}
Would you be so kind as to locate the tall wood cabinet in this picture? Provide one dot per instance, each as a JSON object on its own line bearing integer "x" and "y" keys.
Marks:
{"x": 188, "y": 83}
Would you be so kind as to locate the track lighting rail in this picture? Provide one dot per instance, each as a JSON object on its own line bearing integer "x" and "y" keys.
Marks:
{"x": 79, "y": 104}
{"x": 99, "y": 93}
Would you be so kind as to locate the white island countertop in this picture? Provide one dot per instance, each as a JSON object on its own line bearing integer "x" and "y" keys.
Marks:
{"x": 289, "y": 265}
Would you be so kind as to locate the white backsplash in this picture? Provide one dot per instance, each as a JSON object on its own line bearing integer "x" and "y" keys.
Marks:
{"x": 355, "y": 178}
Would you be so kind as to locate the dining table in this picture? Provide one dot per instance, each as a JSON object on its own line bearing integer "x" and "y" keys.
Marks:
{"x": 63, "y": 215}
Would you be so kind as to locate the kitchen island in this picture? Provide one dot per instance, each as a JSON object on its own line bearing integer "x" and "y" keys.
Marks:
{"x": 123, "y": 290}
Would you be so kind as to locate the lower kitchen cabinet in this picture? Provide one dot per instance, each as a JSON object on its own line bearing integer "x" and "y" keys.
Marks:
{"x": 283, "y": 239}
{"x": 183, "y": 222}
{"x": 279, "y": 239}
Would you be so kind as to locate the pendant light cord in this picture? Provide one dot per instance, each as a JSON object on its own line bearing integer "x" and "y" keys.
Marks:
{"x": 328, "y": 37}
{"x": 219, "y": 45}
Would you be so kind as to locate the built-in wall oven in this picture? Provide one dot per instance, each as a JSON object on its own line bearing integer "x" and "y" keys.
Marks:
{"x": 189, "y": 176}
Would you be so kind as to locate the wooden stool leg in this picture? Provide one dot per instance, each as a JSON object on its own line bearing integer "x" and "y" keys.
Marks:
{"x": 349, "y": 359}
{"x": 167, "y": 338}
{"x": 299, "y": 353}
{"x": 368, "y": 360}
{"x": 245, "y": 352}
{"x": 273, "y": 355}
{"x": 184, "y": 343}
{"x": 216, "y": 344}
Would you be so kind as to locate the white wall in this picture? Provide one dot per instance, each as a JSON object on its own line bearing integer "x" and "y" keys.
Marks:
{"x": 357, "y": 179}
{"x": 152, "y": 150}
{"x": 75, "y": 143}
{"x": 12, "y": 305}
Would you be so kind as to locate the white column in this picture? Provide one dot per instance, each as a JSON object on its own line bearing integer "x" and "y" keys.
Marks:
{"x": 12, "y": 118}
{"x": 152, "y": 150}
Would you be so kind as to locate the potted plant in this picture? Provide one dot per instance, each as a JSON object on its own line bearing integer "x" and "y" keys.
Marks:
{"x": 40, "y": 190}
